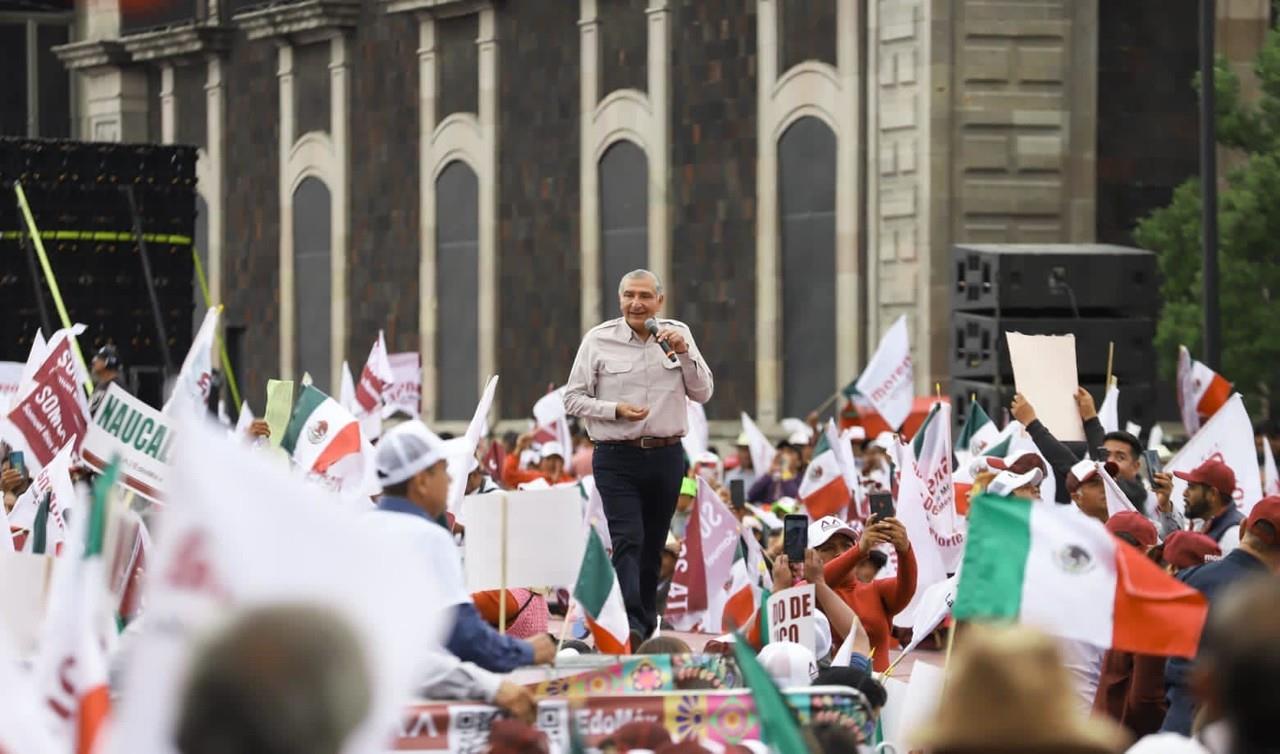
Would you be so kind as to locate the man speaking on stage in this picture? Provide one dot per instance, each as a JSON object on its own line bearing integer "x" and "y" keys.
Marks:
{"x": 629, "y": 383}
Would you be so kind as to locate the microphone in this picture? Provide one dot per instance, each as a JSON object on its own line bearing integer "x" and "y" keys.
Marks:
{"x": 651, "y": 325}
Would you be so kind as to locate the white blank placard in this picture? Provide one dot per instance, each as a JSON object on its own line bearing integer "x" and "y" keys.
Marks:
{"x": 1044, "y": 371}
{"x": 545, "y": 539}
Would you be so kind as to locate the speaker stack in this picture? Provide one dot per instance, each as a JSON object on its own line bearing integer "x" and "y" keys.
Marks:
{"x": 1098, "y": 293}
{"x": 86, "y": 222}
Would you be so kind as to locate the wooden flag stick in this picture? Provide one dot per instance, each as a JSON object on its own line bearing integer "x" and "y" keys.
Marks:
{"x": 937, "y": 390}
{"x": 564, "y": 630}
{"x": 951, "y": 642}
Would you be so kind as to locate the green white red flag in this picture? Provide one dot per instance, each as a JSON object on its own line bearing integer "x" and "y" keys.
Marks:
{"x": 320, "y": 434}
{"x": 600, "y": 596}
{"x": 1201, "y": 391}
{"x": 1054, "y": 568}
{"x": 825, "y": 490}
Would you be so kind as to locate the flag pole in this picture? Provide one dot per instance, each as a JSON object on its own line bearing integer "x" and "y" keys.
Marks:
{"x": 827, "y": 403}
{"x": 222, "y": 345}
{"x": 951, "y": 642}
{"x": 564, "y": 630}
{"x": 502, "y": 593}
{"x": 38, "y": 242}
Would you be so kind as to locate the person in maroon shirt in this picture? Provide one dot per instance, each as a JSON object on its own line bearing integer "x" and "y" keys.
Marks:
{"x": 875, "y": 603}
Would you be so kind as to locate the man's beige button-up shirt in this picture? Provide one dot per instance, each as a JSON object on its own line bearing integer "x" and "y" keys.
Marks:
{"x": 615, "y": 366}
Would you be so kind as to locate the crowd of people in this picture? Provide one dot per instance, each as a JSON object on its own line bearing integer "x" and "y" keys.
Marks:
{"x": 264, "y": 684}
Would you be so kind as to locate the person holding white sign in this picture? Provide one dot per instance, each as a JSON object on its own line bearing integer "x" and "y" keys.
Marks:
{"x": 631, "y": 383}
{"x": 412, "y": 469}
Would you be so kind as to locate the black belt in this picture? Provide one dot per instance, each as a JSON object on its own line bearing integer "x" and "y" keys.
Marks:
{"x": 643, "y": 442}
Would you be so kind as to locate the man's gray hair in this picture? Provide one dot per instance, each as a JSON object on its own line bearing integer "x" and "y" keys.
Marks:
{"x": 638, "y": 274}
{"x": 285, "y": 678}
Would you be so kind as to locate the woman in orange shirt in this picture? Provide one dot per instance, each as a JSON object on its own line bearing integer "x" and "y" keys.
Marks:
{"x": 550, "y": 466}
{"x": 875, "y": 602}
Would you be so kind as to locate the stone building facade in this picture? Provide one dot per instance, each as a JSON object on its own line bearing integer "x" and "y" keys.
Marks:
{"x": 473, "y": 175}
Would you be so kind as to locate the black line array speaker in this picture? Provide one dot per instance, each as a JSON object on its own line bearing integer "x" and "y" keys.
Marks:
{"x": 77, "y": 192}
{"x": 1099, "y": 293}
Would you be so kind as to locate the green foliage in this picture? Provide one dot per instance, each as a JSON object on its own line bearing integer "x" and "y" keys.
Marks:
{"x": 1249, "y": 242}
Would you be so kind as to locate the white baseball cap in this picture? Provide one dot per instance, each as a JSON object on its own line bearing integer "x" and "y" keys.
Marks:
{"x": 1006, "y": 482}
{"x": 406, "y": 450}
{"x": 821, "y": 635}
{"x": 789, "y": 664}
{"x": 551, "y": 448}
{"x": 827, "y": 527}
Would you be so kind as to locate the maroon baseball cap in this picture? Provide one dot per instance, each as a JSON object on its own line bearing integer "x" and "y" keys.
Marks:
{"x": 1267, "y": 509}
{"x": 1135, "y": 525}
{"x": 1213, "y": 473}
{"x": 1184, "y": 549}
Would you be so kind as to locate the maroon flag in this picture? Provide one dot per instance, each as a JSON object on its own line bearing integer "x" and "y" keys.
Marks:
{"x": 54, "y": 411}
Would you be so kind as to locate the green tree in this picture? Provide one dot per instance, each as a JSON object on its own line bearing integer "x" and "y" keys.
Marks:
{"x": 1249, "y": 243}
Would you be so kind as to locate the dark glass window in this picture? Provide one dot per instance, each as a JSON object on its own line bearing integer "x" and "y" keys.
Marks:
{"x": 624, "y": 219}
{"x": 457, "y": 291}
{"x": 312, "y": 206}
{"x": 807, "y": 201}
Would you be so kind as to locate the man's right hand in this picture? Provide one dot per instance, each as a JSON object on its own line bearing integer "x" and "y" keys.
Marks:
{"x": 1084, "y": 402}
{"x": 632, "y": 413}
{"x": 259, "y": 428}
{"x": 1022, "y": 410}
{"x": 1164, "y": 491}
{"x": 13, "y": 481}
{"x": 544, "y": 649}
{"x": 517, "y": 701}
{"x": 872, "y": 536}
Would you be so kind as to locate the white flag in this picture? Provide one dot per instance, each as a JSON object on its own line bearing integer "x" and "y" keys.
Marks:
{"x": 347, "y": 390}
{"x": 935, "y": 606}
{"x": 1270, "y": 479}
{"x": 1109, "y": 413}
{"x": 762, "y": 452}
{"x": 1156, "y": 438}
{"x": 35, "y": 357}
{"x": 462, "y": 450}
{"x": 551, "y": 417}
{"x": 260, "y": 536}
{"x": 697, "y": 436}
{"x": 888, "y": 381}
{"x": 196, "y": 378}
{"x": 1228, "y": 437}
{"x": 21, "y": 729}
{"x": 369, "y": 397}
{"x": 243, "y": 422}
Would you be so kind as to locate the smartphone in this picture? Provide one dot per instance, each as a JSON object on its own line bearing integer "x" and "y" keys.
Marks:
{"x": 881, "y": 504}
{"x": 738, "y": 493}
{"x": 795, "y": 536}
{"x": 18, "y": 462}
{"x": 1151, "y": 460}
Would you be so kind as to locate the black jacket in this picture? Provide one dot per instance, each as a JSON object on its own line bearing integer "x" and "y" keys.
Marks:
{"x": 1061, "y": 458}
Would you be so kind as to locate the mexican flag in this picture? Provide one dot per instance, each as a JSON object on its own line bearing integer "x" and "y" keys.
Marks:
{"x": 320, "y": 432}
{"x": 978, "y": 432}
{"x": 600, "y": 596}
{"x": 1201, "y": 391}
{"x": 71, "y": 669}
{"x": 825, "y": 488}
{"x": 1053, "y": 568}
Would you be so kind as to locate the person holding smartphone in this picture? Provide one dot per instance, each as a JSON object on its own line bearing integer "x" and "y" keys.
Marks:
{"x": 878, "y": 602}
{"x": 782, "y": 480}
{"x": 14, "y": 478}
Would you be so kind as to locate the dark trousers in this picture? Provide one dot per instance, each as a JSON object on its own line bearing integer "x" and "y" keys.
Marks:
{"x": 638, "y": 487}
{"x": 1182, "y": 711}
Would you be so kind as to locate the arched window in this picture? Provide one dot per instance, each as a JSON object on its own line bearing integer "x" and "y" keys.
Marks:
{"x": 624, "y": 218}
{"x": 807, "y": 202}
{"x": 312, "y": 244}
{"x": 457, "y": 291}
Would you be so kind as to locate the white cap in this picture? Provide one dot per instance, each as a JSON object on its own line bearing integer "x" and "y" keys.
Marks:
{"x": 827, "y": 527}
{"x": 821, "y": 635}
{"x": 406, "y": 450}
{"x": 551, "y": 448}
{"x": 1083, "y": 470}
{"x": 1006, "y": 482}
{"x": 800, "y": 437}
{"x": 789, "y": 664}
